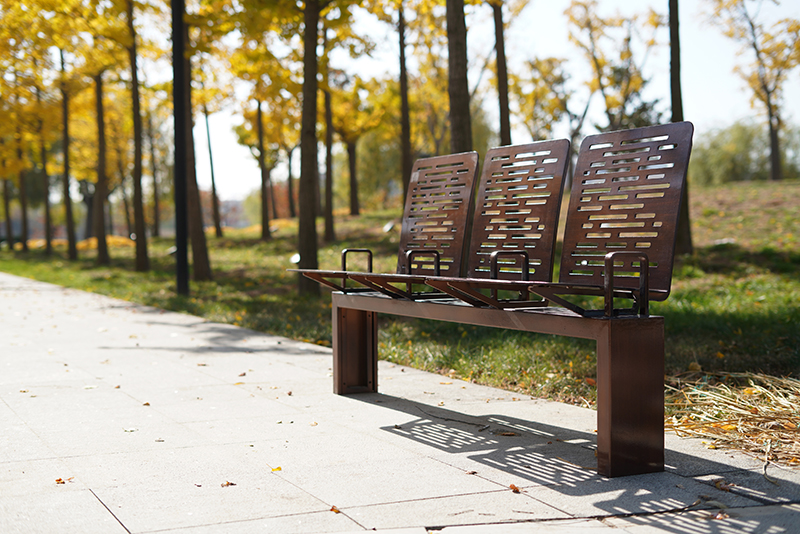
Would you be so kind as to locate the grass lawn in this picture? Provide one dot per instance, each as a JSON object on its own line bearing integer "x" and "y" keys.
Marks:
{"x": 735, "y": 303}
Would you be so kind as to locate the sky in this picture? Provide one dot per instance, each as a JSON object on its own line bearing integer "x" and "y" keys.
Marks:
{"x": 713, "y": 96}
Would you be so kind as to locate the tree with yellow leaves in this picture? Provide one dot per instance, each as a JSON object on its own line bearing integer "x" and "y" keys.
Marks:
{"x": 353, "y": 116}
{"x": 617, "y": 49}
{"x": 774, "y": 52}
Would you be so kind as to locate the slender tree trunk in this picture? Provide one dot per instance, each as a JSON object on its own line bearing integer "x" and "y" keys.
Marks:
{"x": 214, "y": 198}
{"x": 154, "y": 172}
{"x": 23, "y": 196}
{"x": 101, "y": 187}
{"x": 307, "y": 231}
{"x": 290, "y": 186}
{"x": 142, "y": 258}
{"x": 48, "y": 219}
{"x": 502, "y": 73}
{"x": 262, "y": 166}
{"x": 7, "y": 208}
{"x": 351, "y": 159}
{"x": 109, "y": 217}
{"x": 683, "y": 243}
{"x": 72, "y": 249}
{"x": 126, "y": 207}
{"x": 317, "y": 190}
{"x": 405, "y": 120}
{"x": 197, "y": 236}
{"x": 458, "y": 89}
{"x": 776, "y": 169}
{"x": 88, "y": 200}
{"x": 330, "y": 234}
{"x": 272, "y": 194}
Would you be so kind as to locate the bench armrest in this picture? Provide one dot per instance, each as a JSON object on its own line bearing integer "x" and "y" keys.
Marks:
{"x": 644, "y": 281}
{"x": 436, "y": 258}
{"x": 367, "y": 251}
{"x": 495, "y": 269}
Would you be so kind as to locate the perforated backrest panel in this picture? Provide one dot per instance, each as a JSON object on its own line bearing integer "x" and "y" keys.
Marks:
{"x": 626, "y": 194}
{"x": 437, "y": 210}
{"x": 517, "y": 209}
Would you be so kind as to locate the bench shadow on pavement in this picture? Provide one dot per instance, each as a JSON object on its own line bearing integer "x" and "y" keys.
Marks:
{"x": 557, "y": 464}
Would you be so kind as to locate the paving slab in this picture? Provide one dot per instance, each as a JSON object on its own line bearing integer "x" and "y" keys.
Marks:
{"x": 156, "y": 421}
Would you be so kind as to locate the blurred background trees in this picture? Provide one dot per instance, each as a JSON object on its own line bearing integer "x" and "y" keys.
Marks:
{"x": 86, "y": 141}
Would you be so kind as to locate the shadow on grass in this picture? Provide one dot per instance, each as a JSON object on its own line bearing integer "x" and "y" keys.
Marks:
{"x": 732, "y": 259}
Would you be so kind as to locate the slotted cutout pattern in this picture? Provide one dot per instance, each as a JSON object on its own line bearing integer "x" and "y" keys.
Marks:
{"x": 517, "y": 209}
{"x": 623, "y": 198}
{"x": 438, "y": 203}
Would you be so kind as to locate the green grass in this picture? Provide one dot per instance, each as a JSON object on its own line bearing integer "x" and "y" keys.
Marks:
{"x": 734, "y": 304}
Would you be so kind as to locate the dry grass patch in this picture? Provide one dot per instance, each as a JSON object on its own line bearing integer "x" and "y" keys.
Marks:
{"x": 755, "y": 413}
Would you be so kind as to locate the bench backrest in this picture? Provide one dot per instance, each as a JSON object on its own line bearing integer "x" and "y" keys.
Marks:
{"x": 517, "y": 209}
{"x": 626, "y": 195}
{"x": 438, "y": 206}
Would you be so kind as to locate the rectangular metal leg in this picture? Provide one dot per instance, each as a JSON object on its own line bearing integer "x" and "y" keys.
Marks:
{"x": 630, "y": 397}
{"x": 355, "y": 350}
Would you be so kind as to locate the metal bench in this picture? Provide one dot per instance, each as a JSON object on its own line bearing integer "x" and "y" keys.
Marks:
{"x": 622, "y": 216}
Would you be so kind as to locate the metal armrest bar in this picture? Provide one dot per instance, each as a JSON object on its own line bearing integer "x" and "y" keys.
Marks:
{"x": 495, "y": 269}
{"x": 367, "y": 251}
{"x": 436, "y": 257}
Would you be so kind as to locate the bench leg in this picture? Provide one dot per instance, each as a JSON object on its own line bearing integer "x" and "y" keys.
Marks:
{"x": 355, "y": 350}
{"x": 630, "y": 397}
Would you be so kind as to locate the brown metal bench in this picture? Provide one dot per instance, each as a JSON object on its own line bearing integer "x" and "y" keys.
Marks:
{"x": 623, "y": 214}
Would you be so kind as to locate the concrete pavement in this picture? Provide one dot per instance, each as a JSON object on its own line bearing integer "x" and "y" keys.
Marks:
{"x": 116, "y": 417}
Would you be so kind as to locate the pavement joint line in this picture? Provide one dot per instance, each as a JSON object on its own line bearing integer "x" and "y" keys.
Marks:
{"x": 109, "y": 511}
{"x": 239, "y": 521}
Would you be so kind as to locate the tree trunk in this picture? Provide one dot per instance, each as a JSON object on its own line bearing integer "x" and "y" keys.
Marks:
{"x": 290, "y": 186}
{"x": 23, "y": 196}
{"x": 7, "y": 208}
{"x": 683, "y": 243}
{"x": 154, "y": 172}
{"x": 126, "y": 207}
{"x": 351, "y": 159}
{"x": 307, "y": 231}
{"x": 265, "y": 233}
{"x": 272, "y": 194}
{"x": 197, "y": 236}
{"x": 330, "y": 234}
{"x": 142, "y": 258}
{"x": 72, "y": 249}
{"x": 776, "y": 169}
{"x": 109, "y": 217}
{"x": 88, "y": 200}
{"x": 214, "y": 198}
{"x": 405, "y": 114}
{"x": 48, "y": 220}
{"x": 458, "y": 89}
{"x": 183, "y": 157}
{"x": 502, "y": 73}
{"x": 101, "y": 187}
